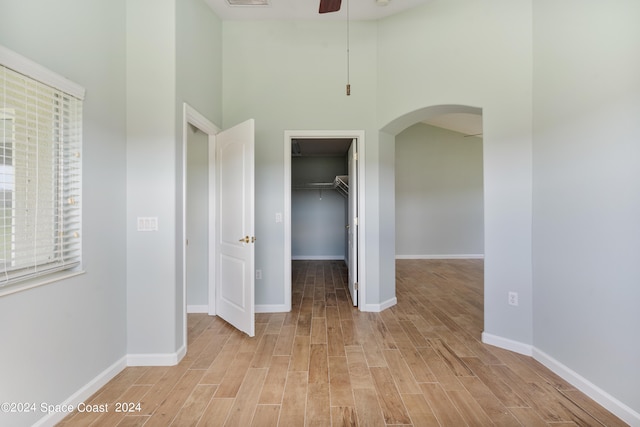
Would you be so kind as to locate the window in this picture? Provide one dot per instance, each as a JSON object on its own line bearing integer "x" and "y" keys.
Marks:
{"x": 40, "y": 173}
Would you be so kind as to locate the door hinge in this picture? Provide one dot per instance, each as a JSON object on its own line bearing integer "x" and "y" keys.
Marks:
{"x": 355, "y": 220}
{"x": 355, "y": 286}
{"x": 355, "y": 155}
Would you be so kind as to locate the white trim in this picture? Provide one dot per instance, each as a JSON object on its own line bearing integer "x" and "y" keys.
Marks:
{"x": 41, "y": 280}
{"x": 507, "y": 344}
{"x": 271, "y": 308}
{"x": 190, "y": 116}
{"x": 317, "y": 258}
{"x": 603, "y": 398}
{"x": 29, "y": 68}
{"x": 157, "y": 359}
{"x": 376, "y": 308}
{"x": 612, "y": 404}
{"x": 452, "y": 256}
{"x": 358, "y": 135}
{"x": 197, "y": 309}
{"x": 213, "y": 200}
{"x": 85, "y": 392}
{"x": 287, "y": 221}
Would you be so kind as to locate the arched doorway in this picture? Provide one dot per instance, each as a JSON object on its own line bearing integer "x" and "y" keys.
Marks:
{"x": 387, "y": 139}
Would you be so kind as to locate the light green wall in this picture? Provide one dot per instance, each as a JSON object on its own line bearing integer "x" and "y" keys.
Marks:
{"x": 59, "y": 337}
{"x": 439, "y": 193}
{"x": 173, "y": 56}
{"x": 198, "y": 50}
{"x": 291, "y": 76}
{"x": 153, "y": 323}
{"x": 474, "y": 54}
{"x": 197, "y": 218}
{"x": 199, "y": 59}
{"x": 586, "y": 228}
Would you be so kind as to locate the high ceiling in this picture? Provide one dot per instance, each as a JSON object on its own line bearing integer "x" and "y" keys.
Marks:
{"x": 284, "y": 10}
{"x": 287, "y": 10}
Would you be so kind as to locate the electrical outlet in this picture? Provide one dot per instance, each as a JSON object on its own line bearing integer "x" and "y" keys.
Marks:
{"x": 258, "y": 274}
{"x": 513, "y": 298}
{"x": 278, "y": 216}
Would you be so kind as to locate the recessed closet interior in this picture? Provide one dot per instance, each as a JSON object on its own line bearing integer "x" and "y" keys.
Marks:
{"x": 319, "y": 199}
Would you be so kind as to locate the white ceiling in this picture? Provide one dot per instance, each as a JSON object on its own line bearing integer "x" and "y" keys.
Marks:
{"x": 466, "y": 123}
{"x": 283, "y": 10}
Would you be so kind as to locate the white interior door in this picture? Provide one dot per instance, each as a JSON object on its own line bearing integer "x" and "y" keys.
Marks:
{"x": 353, "y": 222}
{"x": 235, "y": 226}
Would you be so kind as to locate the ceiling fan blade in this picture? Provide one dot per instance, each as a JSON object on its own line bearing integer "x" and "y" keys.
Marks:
{"x": 327, "y": 6}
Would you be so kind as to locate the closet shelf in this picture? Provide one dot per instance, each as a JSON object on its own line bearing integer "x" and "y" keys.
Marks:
{"x": 340, "y": 184}
{"x": 313, "y": 186}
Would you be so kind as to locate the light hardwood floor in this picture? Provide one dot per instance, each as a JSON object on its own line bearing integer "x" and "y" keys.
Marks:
{"x": 419, "y": 363}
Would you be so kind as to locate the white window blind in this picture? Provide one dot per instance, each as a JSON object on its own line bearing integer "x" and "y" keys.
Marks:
{"x": 40, "y": 178}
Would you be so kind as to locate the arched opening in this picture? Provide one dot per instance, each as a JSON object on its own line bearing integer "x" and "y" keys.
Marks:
{"x": 438, "y": 195}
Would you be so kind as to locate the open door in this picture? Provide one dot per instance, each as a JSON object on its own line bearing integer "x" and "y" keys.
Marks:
{"x": 352, "y": 226}
{"x": 235, "y": 226}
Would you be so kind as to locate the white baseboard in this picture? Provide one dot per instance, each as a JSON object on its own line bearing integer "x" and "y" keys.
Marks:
{"x": 507, "y": 344}
{"x": 197, "y": 309}
{"x": 51, "y": 419}
{"x": 376, "y": 308}
{"x": 618, "y": 408}
{"x": 603, "y": 398}
{"x": 451, "y": 256}
{"x": 157, "y": 359}
{"x": 317, "y": 258}
{"x": 272, "y": 308}
{"x": 84, "y": 393}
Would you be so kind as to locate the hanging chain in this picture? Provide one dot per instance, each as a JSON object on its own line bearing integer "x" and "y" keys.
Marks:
{"x": 348, "y": 70}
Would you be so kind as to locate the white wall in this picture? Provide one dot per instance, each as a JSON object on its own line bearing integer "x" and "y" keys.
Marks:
{"x": 438, "y": 189}
{"x": 586, "y": 228}
{"x": 57, "y": 338}
{"x": 318, "y": 217}
{"x": 474, "y": 54}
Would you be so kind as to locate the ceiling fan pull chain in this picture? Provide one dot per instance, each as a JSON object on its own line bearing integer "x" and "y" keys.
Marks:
{"x": 348, "y": 82}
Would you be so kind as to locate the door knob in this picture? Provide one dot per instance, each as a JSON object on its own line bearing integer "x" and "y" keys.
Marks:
{"x": 245, "y": 239}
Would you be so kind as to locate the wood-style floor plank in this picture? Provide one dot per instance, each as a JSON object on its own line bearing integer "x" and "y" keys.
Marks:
{"x": 275, "y": 381}
{"x": 266, "y": 416}
{"x": 419, "y": 363}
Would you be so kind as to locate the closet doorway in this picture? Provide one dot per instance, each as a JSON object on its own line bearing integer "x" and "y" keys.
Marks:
{"x": 324, "y": 189}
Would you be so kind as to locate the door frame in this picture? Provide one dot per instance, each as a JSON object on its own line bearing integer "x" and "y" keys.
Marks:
{"x": 358, "y": 137}
{"x": 190, "y": 116}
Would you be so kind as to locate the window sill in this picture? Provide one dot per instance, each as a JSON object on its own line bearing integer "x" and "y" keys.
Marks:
{"x": 40, "y": 281}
